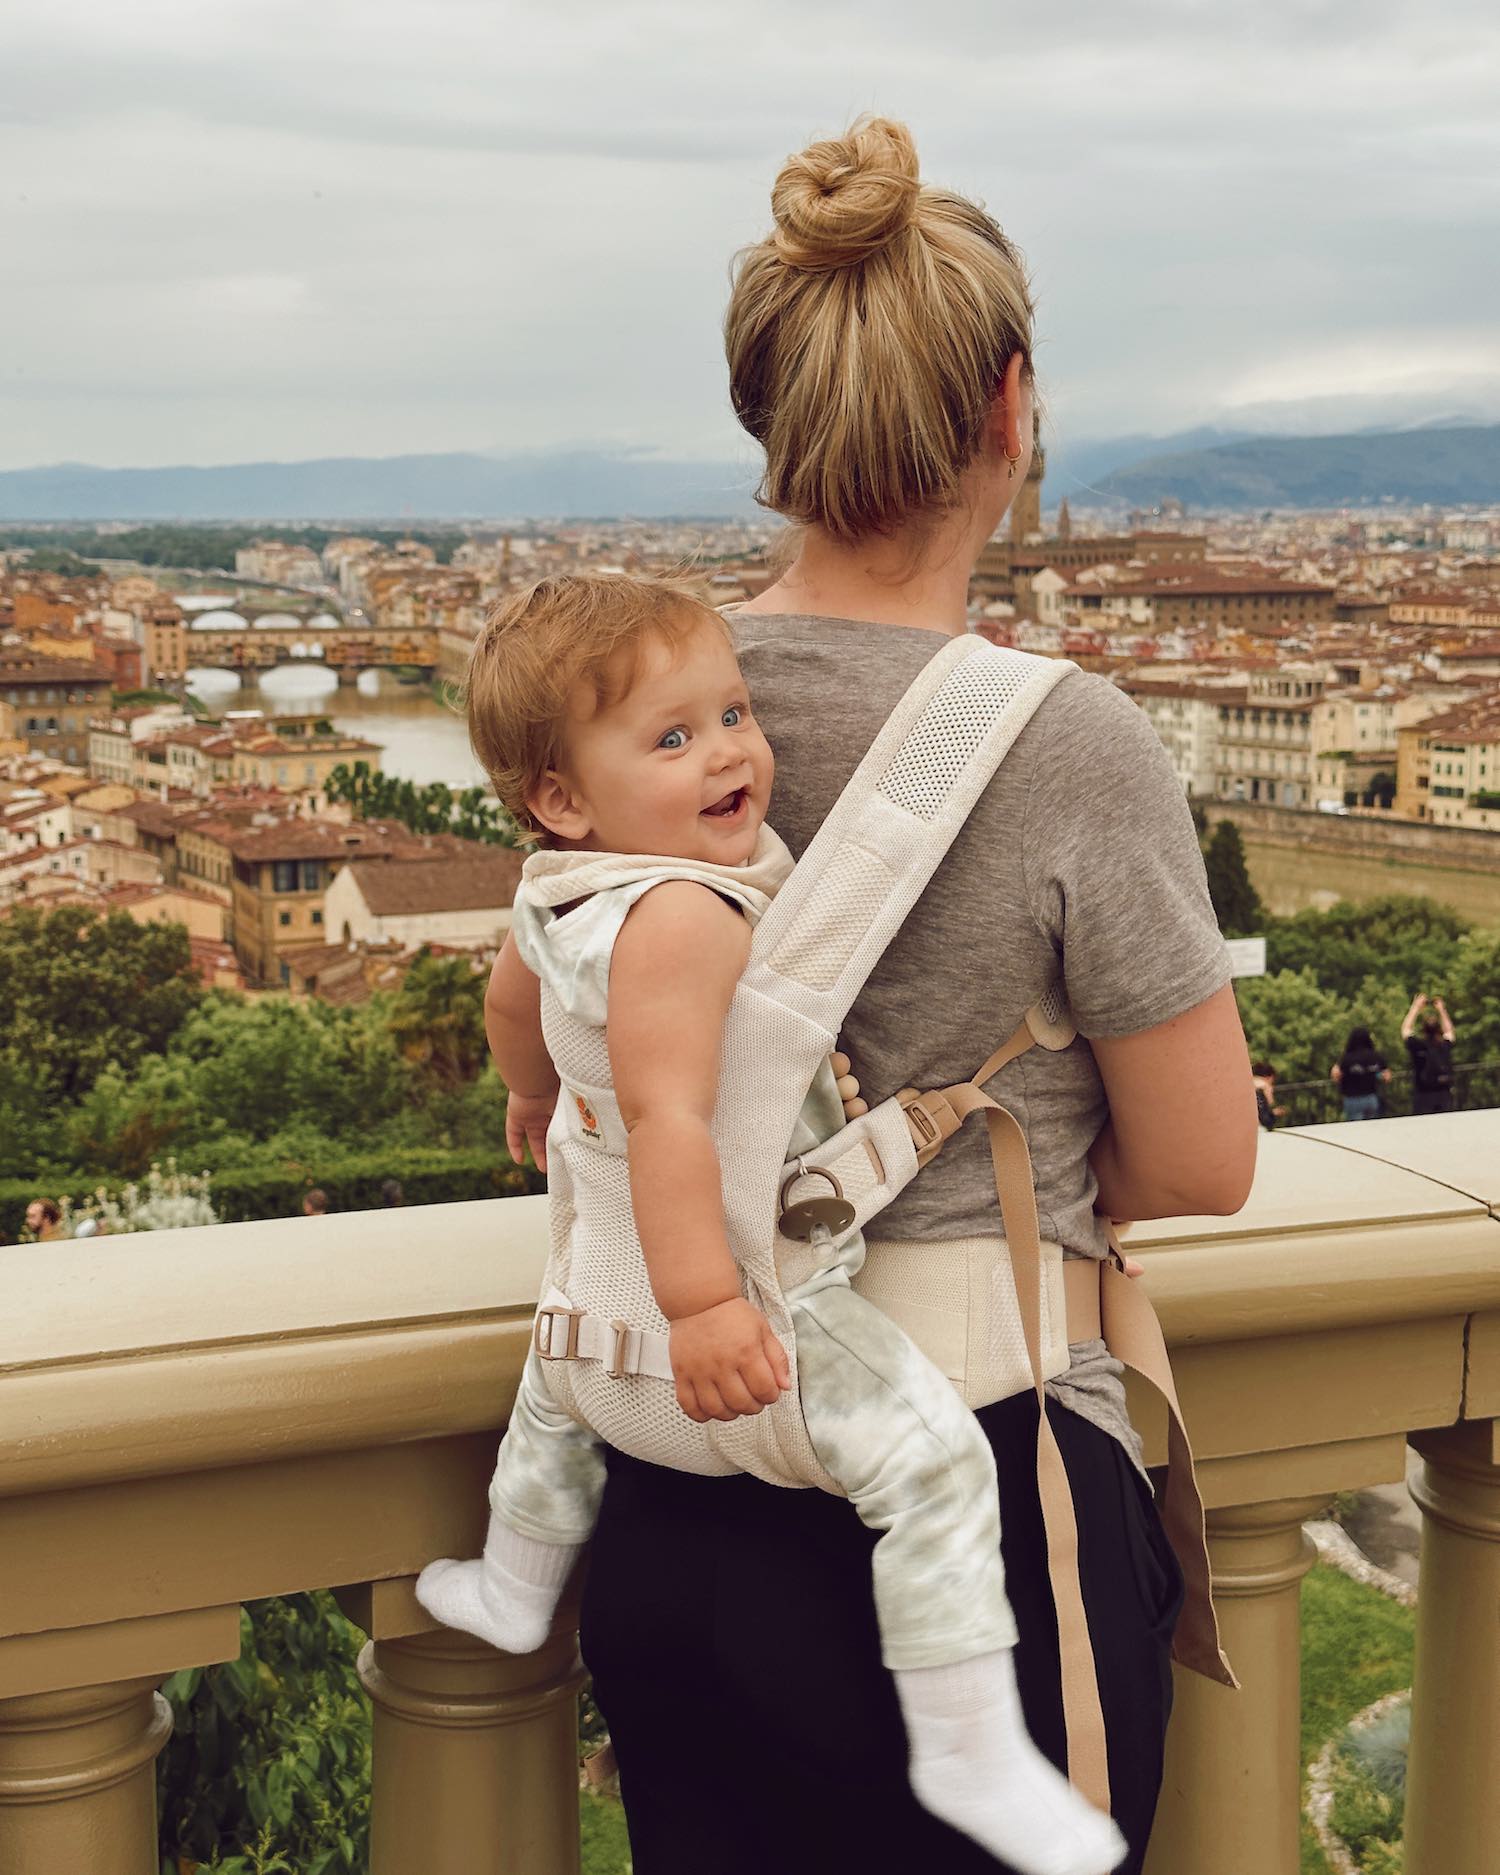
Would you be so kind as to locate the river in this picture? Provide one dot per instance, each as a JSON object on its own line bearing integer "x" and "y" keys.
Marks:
{"x": 420, "y": 739}
{"x": 1292, "y": 879}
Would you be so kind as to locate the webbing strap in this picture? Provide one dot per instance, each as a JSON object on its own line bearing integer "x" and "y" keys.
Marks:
{"x": 1083, "y": 1717}
{"x": 1002, "y": 1057}
{"x": 1133, "y": 1335}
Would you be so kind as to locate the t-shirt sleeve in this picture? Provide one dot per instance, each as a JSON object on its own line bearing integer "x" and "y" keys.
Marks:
{"x": 1112, "y": 867}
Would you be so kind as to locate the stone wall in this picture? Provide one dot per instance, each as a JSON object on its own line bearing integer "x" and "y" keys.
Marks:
{"x": 1375, "y": 838}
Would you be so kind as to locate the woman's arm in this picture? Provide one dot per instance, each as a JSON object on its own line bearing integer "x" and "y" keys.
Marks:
{"x": 1447, "y": 1021}
{"x": 513, "y": 1026}
{"x": 1181, "y": 1135}
{"x": 672, "y": 975}
{"x": 1409, "y": 1020}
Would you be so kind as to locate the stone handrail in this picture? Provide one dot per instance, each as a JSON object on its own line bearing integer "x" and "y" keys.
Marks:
{"x": 315, "y": 1403}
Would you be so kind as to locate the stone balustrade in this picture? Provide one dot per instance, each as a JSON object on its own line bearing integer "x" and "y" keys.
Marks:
{"x": 193, "y": 1419}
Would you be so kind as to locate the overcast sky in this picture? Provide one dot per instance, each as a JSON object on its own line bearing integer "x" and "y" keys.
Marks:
{"x": 240, "y": 229}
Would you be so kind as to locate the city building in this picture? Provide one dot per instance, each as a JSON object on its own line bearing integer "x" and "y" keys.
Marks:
{"x": 460, "y": 898}
{"x": 52, "y": 701}
{"x": 1448, "y": 766}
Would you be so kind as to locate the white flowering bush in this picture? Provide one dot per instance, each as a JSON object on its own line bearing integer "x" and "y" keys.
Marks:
{"x": 165, "y": 1199}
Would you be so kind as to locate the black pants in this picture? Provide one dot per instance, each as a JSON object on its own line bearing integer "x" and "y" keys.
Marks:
{"x": 730, "y": 1629}
{"x": 1432, "y": 1100}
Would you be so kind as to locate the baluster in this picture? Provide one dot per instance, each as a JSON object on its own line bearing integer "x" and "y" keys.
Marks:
{"x": 78, "y": 1779}
{"x": 1453, "y": 1778}
{"x": 1231, "y": 1796}
{"x": 475, "y": 1754}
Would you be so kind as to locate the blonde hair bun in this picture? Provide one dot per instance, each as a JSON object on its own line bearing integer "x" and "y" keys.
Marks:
{"x": 839, "y": 201}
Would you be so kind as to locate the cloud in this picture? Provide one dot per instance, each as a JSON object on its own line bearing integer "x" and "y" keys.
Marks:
{"x": 314, "y": 228}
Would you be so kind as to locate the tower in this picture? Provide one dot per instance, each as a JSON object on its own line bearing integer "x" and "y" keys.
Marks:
{"x": 1064, "y": 520}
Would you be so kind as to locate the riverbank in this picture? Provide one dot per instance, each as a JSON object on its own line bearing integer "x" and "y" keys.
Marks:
{"x": 1302, "y": 860}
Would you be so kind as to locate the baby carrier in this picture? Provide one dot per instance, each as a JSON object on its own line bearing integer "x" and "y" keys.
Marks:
{"x": 601, "y": 1338}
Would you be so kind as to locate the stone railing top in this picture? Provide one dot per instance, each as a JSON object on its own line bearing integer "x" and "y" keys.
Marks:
{"x": 190, "y": 1349}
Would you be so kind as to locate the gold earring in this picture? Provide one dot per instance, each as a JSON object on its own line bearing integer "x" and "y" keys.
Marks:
{"x": 1010, "y": 473}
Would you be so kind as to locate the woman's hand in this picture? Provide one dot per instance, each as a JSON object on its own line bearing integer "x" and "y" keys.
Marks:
{"x": 527, "y": 1117}
{"x": 726, "y": 1362}
{"x": 848, "y": 1088}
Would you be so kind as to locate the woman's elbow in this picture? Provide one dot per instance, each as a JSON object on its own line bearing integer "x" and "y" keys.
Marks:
{"x": 1229, "y": 1174}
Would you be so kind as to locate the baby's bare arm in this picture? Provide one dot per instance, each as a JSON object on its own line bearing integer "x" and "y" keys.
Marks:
{"x": 513, "y": 1026}
{"x": 672, "y": 977}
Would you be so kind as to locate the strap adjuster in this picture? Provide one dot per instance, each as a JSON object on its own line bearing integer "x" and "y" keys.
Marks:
{"x": 616, "y": 1368}
{"x": 926, "y": 1121}
{"x": 549, "y": 1315}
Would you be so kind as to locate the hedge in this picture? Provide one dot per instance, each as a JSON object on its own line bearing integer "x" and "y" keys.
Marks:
{"x": 428, "y": 1175}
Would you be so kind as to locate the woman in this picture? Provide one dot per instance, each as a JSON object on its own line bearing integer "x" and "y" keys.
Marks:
{"x": 879, "y": 347}
{"x": 1359, "y": 1074}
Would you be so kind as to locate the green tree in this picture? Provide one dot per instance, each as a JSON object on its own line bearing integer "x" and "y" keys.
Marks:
{"x": 437, "y": 1018}
{"x": 81, "y": 992}
{"x": 1236, "y": 902}
{"x": 1401, "y": 939}
{"x": 1294, "y": 1024}
{"x": 1475, "y": 1002}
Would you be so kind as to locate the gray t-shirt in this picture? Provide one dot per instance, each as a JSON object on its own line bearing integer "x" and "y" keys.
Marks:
{"x": 1080, "y": 854}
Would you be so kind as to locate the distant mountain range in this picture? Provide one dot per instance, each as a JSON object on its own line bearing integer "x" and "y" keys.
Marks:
{"x": 572, "y": 483}
{"x": 1446, "y": 467}
{"x": 1206, "y": 468}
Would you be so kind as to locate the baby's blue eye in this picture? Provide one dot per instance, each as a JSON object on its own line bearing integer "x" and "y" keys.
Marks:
{"x": 673, "y": 739}
{"x": 732, "y": 716}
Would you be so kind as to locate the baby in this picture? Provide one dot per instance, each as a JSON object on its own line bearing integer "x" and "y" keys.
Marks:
{"x": 613, "y": 720}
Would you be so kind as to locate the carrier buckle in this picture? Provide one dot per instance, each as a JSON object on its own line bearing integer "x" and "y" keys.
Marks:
{"x": 545, "y": 1346}
{"x": 621, "y": 1341}
{"x": 928, "y": 1132}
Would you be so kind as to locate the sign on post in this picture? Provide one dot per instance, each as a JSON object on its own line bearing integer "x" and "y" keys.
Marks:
{"x": 1247, "y": 956}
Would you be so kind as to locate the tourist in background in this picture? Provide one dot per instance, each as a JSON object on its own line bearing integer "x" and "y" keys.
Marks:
{"x": 315, "y": 1203}
{"x": 1264, "y": 1077}
{"x": 1360, "y": 1073}
{"x": 1429, "y": 1048}
{"x": 44, "y": 1220}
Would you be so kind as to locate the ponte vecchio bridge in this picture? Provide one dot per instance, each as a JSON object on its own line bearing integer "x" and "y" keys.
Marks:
{"x": 257, "y": 638}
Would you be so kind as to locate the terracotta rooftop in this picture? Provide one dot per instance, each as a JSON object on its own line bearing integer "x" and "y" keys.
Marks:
{"x": 129, "y": 891}
{"x": 18, "y": 672}
{"x": 483, "y": 881}
{"x": 304, "y": 838}
{"x": 1477, "y": 720}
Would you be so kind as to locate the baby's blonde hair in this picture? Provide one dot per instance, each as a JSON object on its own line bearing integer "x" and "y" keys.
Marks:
{"x": 539, "y": 648}
{"x": 868, "y": 335}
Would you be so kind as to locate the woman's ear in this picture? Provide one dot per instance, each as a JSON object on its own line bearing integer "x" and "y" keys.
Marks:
{"x": 557, "y": 807}
{"x": 1011, "y": 420}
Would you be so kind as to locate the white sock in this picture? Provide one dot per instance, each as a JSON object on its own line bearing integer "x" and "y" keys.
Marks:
{"x": 508, "y": 1597}
{"x": 973, "y": 1764}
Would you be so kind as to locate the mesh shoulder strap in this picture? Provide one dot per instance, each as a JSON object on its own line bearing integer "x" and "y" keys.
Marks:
{"x": 870, "y": 860}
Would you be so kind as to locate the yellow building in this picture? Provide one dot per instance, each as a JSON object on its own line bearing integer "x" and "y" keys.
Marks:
{"x": 279, "y": 875}
{"x": 1448, "y": 766}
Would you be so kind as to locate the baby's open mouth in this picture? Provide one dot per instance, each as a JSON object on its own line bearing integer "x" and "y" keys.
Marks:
{"x": 728, "y": 807}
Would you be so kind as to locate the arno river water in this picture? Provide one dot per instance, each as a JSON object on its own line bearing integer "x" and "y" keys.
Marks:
{"x": 420, "y": 739}
{"x": 423, "y": 741}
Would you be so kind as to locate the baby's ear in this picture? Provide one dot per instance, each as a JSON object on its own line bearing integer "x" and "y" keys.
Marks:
{"x": 555, "y": 806}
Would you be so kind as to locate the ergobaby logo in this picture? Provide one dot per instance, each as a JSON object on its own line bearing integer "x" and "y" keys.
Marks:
{"x": 588, "y": 1119}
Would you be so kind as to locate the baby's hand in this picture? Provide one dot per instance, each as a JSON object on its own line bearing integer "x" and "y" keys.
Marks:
{"x": 848, "y": 1088}
{"x": 527, "y": 1117}
{"x": 726, "y": 1362}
